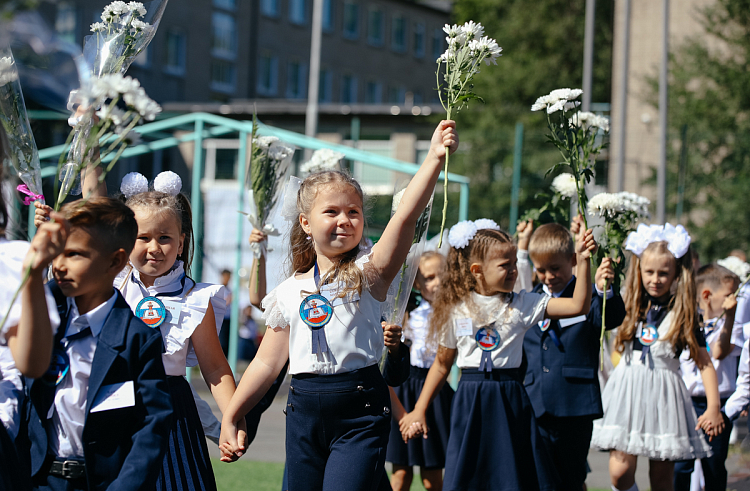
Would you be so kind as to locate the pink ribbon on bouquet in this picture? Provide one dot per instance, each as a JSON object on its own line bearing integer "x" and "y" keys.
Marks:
{"x": 31, "y": 196}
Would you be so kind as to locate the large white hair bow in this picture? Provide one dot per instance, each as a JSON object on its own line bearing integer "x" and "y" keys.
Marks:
{"x": 677, "y": 238}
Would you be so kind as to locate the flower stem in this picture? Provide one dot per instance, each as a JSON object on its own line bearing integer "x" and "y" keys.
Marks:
{"x": 445, "y": 187}
{"x": 601, "y": 336}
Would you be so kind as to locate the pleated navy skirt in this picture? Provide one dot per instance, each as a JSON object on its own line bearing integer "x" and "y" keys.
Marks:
{"x": 13, "y": 475}
{"x": 492, "y": 436}
{"x": 427, "y": 453}
{"x": 186, "y": 466}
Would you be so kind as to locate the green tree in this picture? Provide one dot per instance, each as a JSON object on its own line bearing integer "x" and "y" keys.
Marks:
{"x": 542, "y": 50}
{"x": 710, "y": 100}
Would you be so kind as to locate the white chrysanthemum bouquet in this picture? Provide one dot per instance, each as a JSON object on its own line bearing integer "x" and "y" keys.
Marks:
{"x": 394, "y": 306}
{"x": 17, "y": 146}
{"x": 116, "y": 41}
{"x": 468, "y": 47}
{"x": 270, "y": 161}
{"x": 621, "y": 213}
{"x": 575, "y": 134}
{"x": 321, "y": 160}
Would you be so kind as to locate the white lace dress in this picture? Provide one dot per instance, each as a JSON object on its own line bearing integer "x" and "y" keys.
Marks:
{"x": 647, "y": 408}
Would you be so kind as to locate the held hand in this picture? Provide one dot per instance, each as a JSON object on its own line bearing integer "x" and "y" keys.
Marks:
{"x": 257, "y": 236}
{"x": 391, "y": 336}
{"x": 412, "y": 425}
{"x": 711, "y": 422}
{"x": 576, "y": 225}
{"x": 445, "y": 135}
{"x": 229, "y": 442}
{"x": 585, "y": 245}
{"x": 48, "y": 243}
{"x": 730, "y": 303}
{"x": 524, "y": 230}
{"x": 41, "y": 213}
{"x": 605, "y": 273}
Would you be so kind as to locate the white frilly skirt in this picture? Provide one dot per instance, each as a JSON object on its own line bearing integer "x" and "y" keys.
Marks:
{"x": 648, "y": 411}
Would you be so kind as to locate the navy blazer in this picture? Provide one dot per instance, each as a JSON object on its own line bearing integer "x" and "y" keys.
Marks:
{"x": 123, "y": 448}
{"x": 563, "y": 382}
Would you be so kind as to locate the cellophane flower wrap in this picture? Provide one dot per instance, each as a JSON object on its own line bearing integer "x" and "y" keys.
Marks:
{"x": 468, "y": 47}
{"x": 621, "y": 213}
{"x": 20, "y": 150}
{"x": 577, "y": 136}
{"x": 270, "y": 163}
{"x": 125, "y": 30}
{"x": 394, "y": 306}
{"x": 322, "y": 159}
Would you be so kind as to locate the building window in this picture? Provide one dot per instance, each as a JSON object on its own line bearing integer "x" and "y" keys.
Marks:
{"x": 224, "y": 38}
{"x": 396, "y": 95}
{"x": 328, "y": 15}
{"x": 268, "y": 75}
{"x": 375, "y": 27}
{"x": 437, "y": 44}
{"x": 348, "y": 89}
{"x": 351, "y": 20}
{"x": 223, "y": 76}
{"x": 325, "y": 86}
{"x": 296, "y": 78}
{"x": 398, "y": 33}
{"x": 374, "y": 93}
{"x": 226, "y": 4}
{"x": 176, "y": 53}
{"x": 269, "y": 8}
{"x": 65, "y": 21}
{"x": 298, "y": 12}
{"x": 143, "y": 59}
{"x": 419, "y": 40}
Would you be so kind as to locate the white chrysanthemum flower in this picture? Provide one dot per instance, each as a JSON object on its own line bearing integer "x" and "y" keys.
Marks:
{"x": 589, "y": 120}
{"x": 565, "y": 185}
{"x": 8, "y": 71}
{"x": 279, "y": 151}
{"x": 557, "y": 100}
{"x": 606, "y": 205}
{"x": 486, "y": 223}
{"x": 168, "y": 182}
{"x": 265, "y": 142}
{"x": 143, "y": 105}
{"x": 565, "y": 94}
{"x": 137, "y": 8}
{"x": 115, "y": 114}
{"x": 321, "y": 160}
{"x": 139, "y": 25}
{"x": 490, "y": 47}
{"x": 635, "y": 203}
{"x": 461, "y": 234}
{"x": 98, "y": 26}
{"x": 133, "y": 183}
{"x": 736, "y": 266}
{"x": 132, "y": 138}
{"x": 472, "y": 30}
{"x": 452, "y": 30}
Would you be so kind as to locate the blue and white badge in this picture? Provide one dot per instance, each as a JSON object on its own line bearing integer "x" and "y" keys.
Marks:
{"x": 487, "y": 339}
{"x": 544, "y": 325}
{"x": 152, "y": 311}
{"x": 59, "y": 367}
{"x": 649, "y": 335}
{"x": 316, "y": 311}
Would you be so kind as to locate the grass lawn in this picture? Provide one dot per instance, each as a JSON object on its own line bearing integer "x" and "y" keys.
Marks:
{"x": 245, "y": 475}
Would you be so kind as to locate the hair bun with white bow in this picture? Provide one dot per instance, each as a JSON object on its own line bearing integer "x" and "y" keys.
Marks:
{"x": 168, "y": 182}
{"x": 133, "y": 183}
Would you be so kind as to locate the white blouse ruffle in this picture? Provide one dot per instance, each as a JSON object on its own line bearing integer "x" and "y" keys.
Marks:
{"x": 179, "y": 352}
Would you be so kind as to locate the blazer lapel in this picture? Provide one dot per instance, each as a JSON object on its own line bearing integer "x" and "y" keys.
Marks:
{"x": 111, "y": 337}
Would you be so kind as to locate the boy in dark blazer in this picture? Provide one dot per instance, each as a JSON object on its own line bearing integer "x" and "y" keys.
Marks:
{"x": 99, "y": 417}
{"x": 562, "y": 357}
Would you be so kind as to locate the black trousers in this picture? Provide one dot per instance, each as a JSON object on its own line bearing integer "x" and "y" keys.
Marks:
{"x": 568, "y": 440}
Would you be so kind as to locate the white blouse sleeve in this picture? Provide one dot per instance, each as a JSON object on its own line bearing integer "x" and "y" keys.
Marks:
{"x": 273, "y": 311}
{"x": 532, "y": 307}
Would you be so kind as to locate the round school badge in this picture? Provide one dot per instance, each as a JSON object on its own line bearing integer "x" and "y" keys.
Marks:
{"x": 649, "y": 335}
{"x": 59, "y": 366}
{"x": 152, "y": 311}
{"x": 544, "y": 325}
{"x": 487, "y": 339}
{"x": 316, "y": 311}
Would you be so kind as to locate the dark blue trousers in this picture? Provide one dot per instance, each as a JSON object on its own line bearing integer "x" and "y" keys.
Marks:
{"x": 714, "y": 470}
{"x": 567, "y": 440}
{"x": 337, "y": 429}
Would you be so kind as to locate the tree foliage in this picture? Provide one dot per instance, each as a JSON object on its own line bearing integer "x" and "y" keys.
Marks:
{"x": 542, "y": 50}
{"x": 710, "y": 102}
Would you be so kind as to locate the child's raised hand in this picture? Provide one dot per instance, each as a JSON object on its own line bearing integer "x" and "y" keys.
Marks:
{"x": 445, "y": 135}
{"x": 730, "y": 303}
{"x": 605, "y": 273}
{"x": 585, "y": 244}
{"x": 392, "y": 336}
{"x": 41, "y": 213}
{"x": 576, "y": 225}
{"x": 257, "y": 236}
{"x": 524, "y": 230}
{"x": 48, "y": 243}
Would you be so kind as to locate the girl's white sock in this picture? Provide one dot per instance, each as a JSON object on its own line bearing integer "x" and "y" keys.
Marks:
{"x": 634, "y": 487}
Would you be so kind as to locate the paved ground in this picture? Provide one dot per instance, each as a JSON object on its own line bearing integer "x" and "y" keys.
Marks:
{"x": 269, "y": 447}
